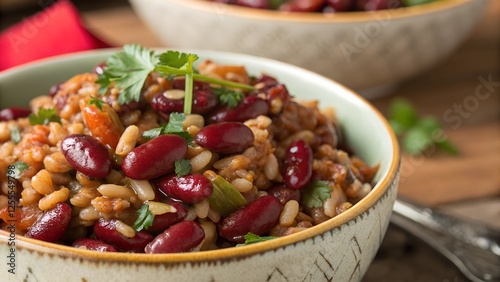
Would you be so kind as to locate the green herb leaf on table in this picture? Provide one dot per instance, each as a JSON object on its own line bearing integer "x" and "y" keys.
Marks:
{"x": 251, "y": 238}
{"x": 44, "y": 117}
{"x": 182, "y": 167}
{"x": 128, "y": 69}
{"x": 15, "y": 134}
{"x": 316, "y": 193}
{"x": 96, "y": 102}
{"x": 145, "y": 218}
{"x": 417, "y": 135}
{"x": 228, "y": 97}
{"x": 17, "y": 170}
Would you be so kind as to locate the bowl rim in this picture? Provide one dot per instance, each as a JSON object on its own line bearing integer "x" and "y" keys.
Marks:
{"x": 360, "y": 208}
{"x": 222, "y": 9}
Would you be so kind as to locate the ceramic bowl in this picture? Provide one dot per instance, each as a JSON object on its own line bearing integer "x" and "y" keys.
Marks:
{"x": 340, "y": 249}
{"x": 367, "y": 51}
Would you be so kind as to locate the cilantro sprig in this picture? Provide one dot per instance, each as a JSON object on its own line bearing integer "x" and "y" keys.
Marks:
{"x": 145, "y": 218}
{"x": 182, "y": 167}
{"x": 96, "y": 102}
{"x": 251, "y": 238}
{"x": 15, "y": 134}
{"x": 417, "y": 134}
{"x": 316, "y": 193}
{"x": 129, "y": 69}
{"x": 44, "y": 117}
{"x": 174, "y": 126}
{"x": 17, "y": 169}
{"x": 228, "y": 97}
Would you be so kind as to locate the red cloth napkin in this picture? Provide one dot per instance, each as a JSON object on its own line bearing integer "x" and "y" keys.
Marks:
{"x": 53, "y": 31}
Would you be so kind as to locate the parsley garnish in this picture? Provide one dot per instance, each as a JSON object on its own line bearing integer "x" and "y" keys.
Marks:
{"x": 174, "y": 126}
{"x": 44, "y": 117}
{"x": 17, "y": 169}
{"x": 182, "y": 167}
{"x": 228, "y": 96}
{"x": 315, "y": 193}
{"x": 15, "y": 135}
{"x": 145, "y": 218}
{"x": 417, "y": 135}
{"x": 96, "y": 102}
{"x": 251, "y": 238}
{"x": 128, "y": 69}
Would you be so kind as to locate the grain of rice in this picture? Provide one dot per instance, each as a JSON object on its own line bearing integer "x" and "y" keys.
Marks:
{"x": 210, "y": 235}
{"x": 56, "y": 162}
{"x": 343, "y": 207}
{"x": 158, "y": 208}
{"x": 86, "y": 181}
{"x": 174, "y": 94}
{"x": 242, "y": 185}
{"x": 289, "y": 212}
{"x": 57, "y": 133}
{"x": 109, "y": 205}
{"x": 115, "y": 191}
{"x": 303, "y": 217}
{"x": 84, "y": 196}
{"x": 194, "y": 151}
{"x": 191, "y": 213}
{"x": 76, "y": 128}
{"x": 293, "y": 230}
{"x": 42, "y": 182}
{"x": 200, "y": 161}
{"x": 202, "y": 208}
{"x": 308, "y": 136}
{"x": 142, "y": 188}
{"x": 4, "y": 132}
{"x": 304, "y": 224}
{"x": 213, "y": 215}
{"x": 6, "y": 149}
{"x": 50, "y": 201}
{"x": 127, "y": 141}
{"x": 271, "y": 168}
{"x": 194, "y": 120}
{"x": 89, "y": 213}
{"x": 193, "y": 130}
{"x": 337, "y": 197}
{"x": 130, "y": 118}
{"x": 125, "y": 229}
{"x": 115, "y": 177}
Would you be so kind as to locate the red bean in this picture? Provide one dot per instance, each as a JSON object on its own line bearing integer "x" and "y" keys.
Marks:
{"x": 179, "y": 238}
{"x": 155, "y": 158}
{"x": 374, "y": 5}
{"x": 180, "y": 83}
{"x": 105, "y": 230}
{"x": 13, "y": 113}
{"x": 249, "y": 107}
{"x": 258, "y": 217}
{"x": 277, "y": 94}
{"x": 164, "y": 221}
{"x": 298, "y": 165}
{"x": 94, "y": 245}
{"x": 203, "y": 102}
{"x": 302, "y": 6}
{"x": 341, "y": 5}
{"x": 225, "y": 137}
{"x": 285, "y": 194}
{"x": 52, "y": 225}
{"x": 191, "y": 188}
{"x": 87, "y": 155}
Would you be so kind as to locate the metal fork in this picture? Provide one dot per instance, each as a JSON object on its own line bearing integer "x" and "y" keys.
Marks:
{"x": 473, "y": 247}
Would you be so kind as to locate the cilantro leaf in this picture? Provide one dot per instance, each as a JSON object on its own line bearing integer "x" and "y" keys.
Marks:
{"x": 315, "y": 193}
{"x": 229, "y": 97}
{"x": 44, "y": 117}
{"x": 145, "y": 218}
{"x": 17, "y": 169}
{"x": 417, "y": 135}
{"x": 174, "y": 126}
{"x": 182, "y": 167}
{"x": 128, "y": 69}
{"x": 96, "y": 102}
{"x": 15, "y": 135}
{"x": 251, "y": 238}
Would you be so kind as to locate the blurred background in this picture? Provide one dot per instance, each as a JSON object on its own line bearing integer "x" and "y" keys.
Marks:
{"x": 461, "y": 92}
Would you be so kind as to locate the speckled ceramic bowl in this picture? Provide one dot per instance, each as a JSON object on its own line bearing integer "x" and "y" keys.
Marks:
{"x": 340, "y": 249}
{"x": 367, "y": 51}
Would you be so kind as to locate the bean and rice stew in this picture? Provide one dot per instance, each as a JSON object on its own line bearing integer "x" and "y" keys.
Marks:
{"x": 96, "y": 169}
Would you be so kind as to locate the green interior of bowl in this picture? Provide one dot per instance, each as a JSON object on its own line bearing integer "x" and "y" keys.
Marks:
{"x": 366, "y": 131}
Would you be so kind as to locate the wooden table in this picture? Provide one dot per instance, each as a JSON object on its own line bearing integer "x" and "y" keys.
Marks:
{"x": 467, "y": 185}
